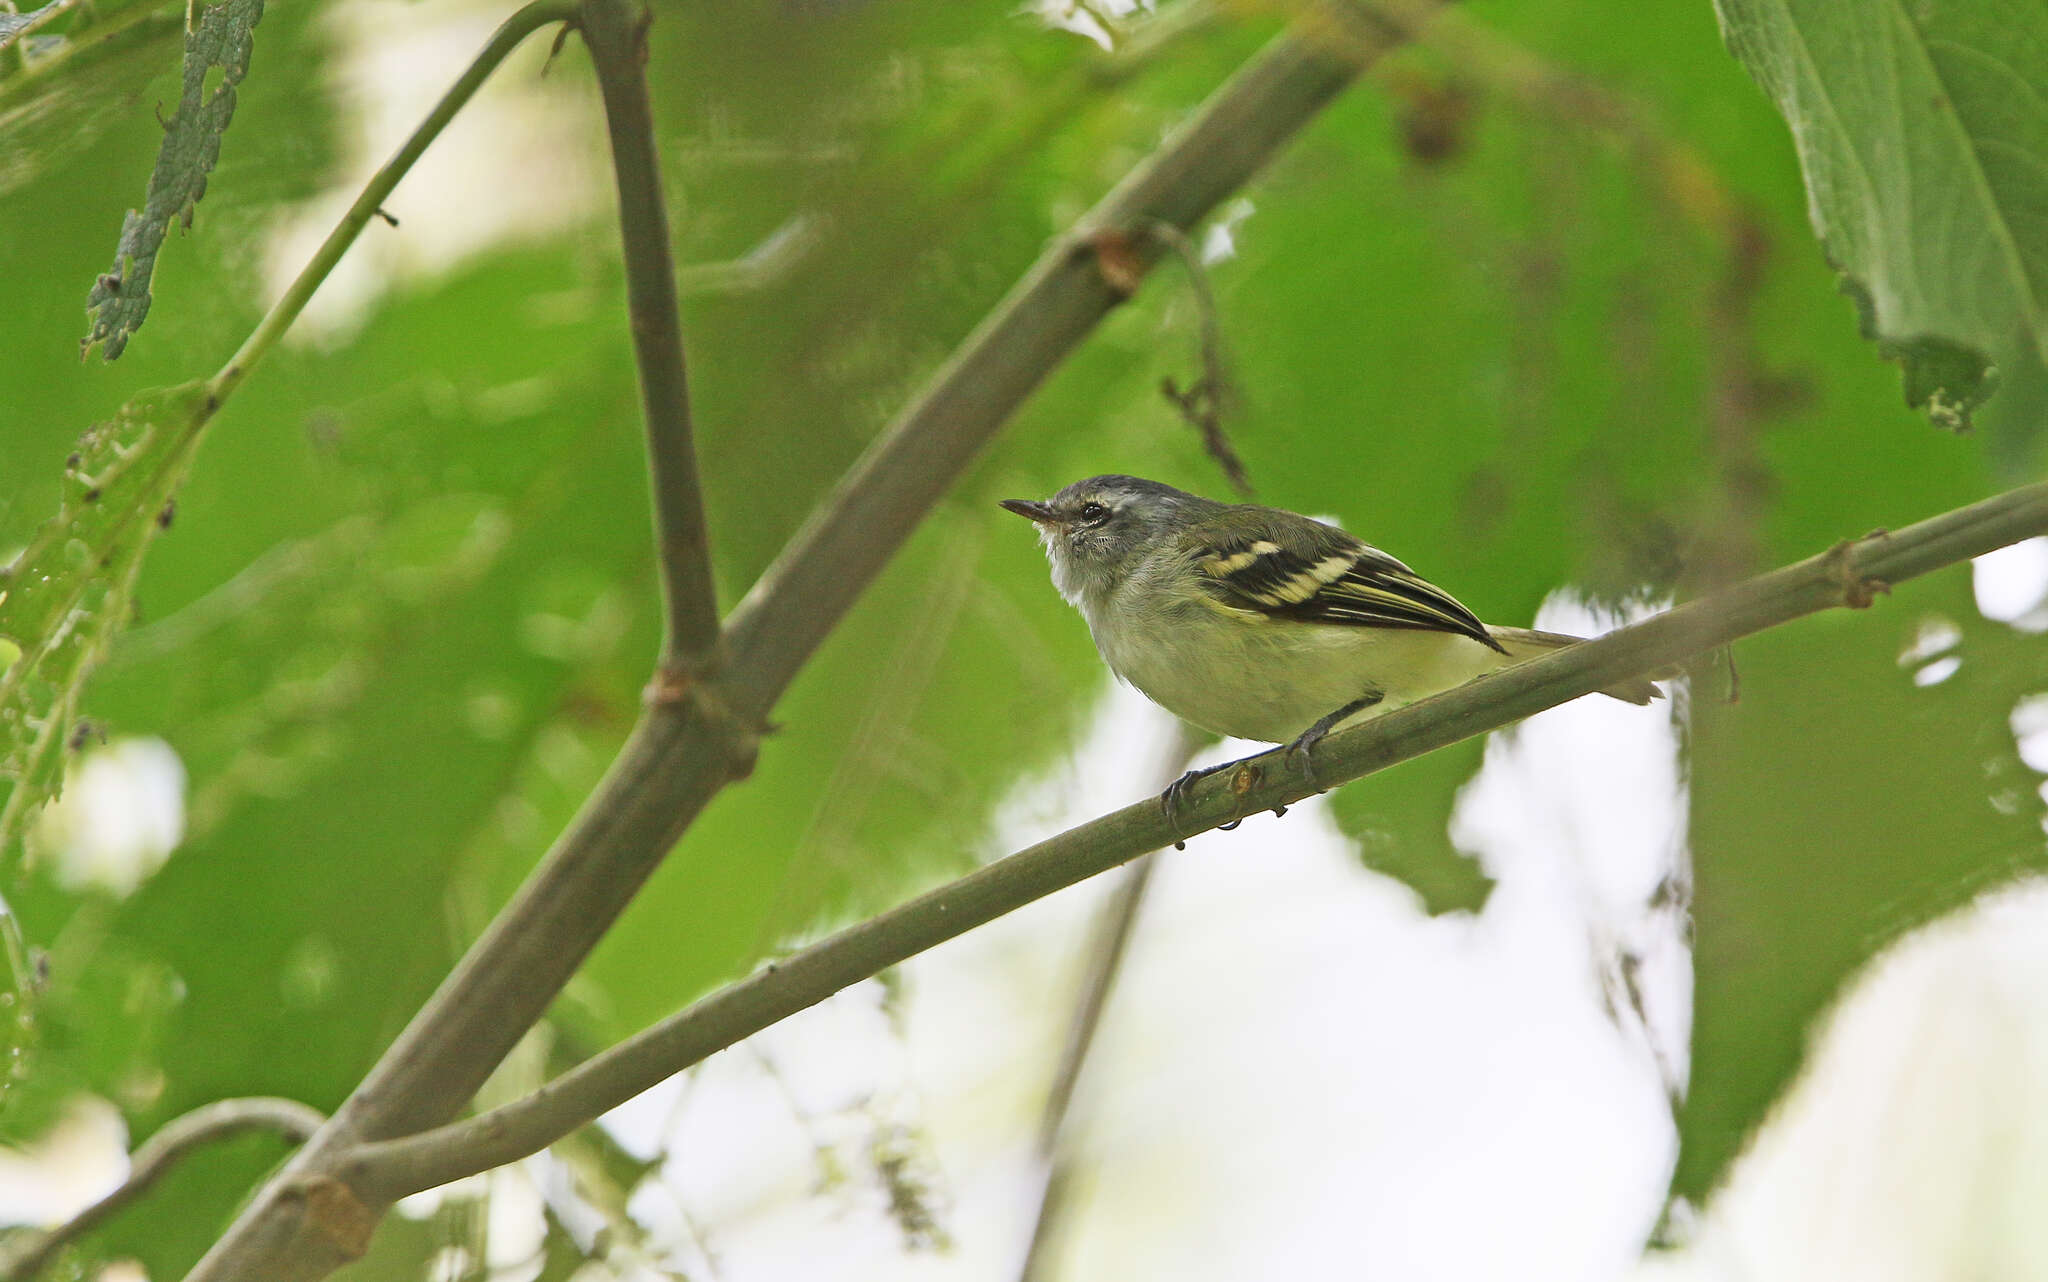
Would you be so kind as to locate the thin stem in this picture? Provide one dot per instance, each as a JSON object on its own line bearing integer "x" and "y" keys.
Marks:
{"x": 24, "y": 1255}
{"x": 616, "y": 35}
{"x": 1113, "y": 929}
{"x": 1213, "y": 397}
{"x": 1114, "y": 926}
{"x": 287, "y": 308}
{"x": 1848, "y": 574}
{"x": 1115, "y": 923}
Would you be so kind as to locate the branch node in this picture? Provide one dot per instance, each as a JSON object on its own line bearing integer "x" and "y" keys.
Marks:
{"x": 1214, "y": 395}
{"x": 1858, "y": 590}
{"x": 1118, "y": 258}
{"x": 677, "y": 683}
{"x": 335, "y": 1212}
{"x": 673, "y": 684}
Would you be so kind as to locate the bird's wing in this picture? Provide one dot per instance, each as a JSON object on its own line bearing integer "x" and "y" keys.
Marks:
{"x": 1296, "y": 568}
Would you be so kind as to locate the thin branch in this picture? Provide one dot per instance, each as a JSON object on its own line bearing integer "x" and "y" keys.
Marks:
{"x": 1113, "y": 929}
{"x": 1851, "y": 574}
{"x": 767, "y": 264}
{"x": 1112, "y": 939}
{"x": 287, "y": 308}
{"x": 23, "y": 1255}
{"x": 616, "y": 33}
{"x": 306, "y": 1223}
{"x": 1114, "y": 925}
{"x": 1213, "y": 396}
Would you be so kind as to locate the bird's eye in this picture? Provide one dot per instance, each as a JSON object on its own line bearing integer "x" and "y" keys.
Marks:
{"x": 1093, "y": 512}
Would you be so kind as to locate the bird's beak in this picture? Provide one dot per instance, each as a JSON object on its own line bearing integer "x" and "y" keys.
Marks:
{"x": 1039, "y": 512}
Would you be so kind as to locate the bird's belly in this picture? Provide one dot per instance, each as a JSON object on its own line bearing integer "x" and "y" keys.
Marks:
{"x": 1271, "y": 681}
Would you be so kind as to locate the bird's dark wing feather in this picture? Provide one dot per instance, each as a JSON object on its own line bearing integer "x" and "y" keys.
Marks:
{"x": 1322, "y": 575}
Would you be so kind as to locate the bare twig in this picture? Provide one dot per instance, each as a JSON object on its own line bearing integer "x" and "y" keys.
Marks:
{"x": 1846, "y": 575}
{"x": 286, "y": 309}
{"x": 767, "y": 264}
{"x": 1112, "y": 939}
{"x": 1114, "y": 926}
{"x": 23, "y": 1255}
{"x": 616, "y": 33}
{"x": 1213, "y": 396}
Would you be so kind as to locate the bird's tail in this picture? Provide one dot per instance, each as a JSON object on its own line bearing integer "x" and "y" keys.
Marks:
{"x": 1527, "y": 643}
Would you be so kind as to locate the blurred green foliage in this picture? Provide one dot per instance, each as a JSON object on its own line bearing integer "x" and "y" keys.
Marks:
{"x": 66, "y": 594}
{"x": 408, "y": 603}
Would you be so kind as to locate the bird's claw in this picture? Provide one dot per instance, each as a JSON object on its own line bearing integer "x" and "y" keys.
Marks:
{"x": 1299, "y": 755}
{"x": 1174, "y": 801}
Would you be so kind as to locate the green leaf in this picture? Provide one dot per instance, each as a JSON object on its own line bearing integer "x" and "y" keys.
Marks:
{"x": 216, "y": 58}
{"x": 68, "y": 592}
{"x": 1923, "y": 133}
{"x": 1855, "y": 792}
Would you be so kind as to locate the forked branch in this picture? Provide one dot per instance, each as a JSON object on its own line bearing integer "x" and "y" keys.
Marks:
{"x": 309, "y": 1220}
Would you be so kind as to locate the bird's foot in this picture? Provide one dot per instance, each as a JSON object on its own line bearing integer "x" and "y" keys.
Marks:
{"x": 1174, "y": 801}
{"x": 1299, "y": 752}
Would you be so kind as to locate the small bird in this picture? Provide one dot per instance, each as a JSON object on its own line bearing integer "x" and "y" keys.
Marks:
{"x": 1259, "y": 623}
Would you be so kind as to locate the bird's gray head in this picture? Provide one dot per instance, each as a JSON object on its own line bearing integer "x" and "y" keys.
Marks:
{"x": 1095, "y": 531}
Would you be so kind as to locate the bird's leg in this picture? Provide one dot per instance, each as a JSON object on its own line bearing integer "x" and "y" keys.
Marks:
{"x": 1298, "y": 751}
{"x": 1176, "y": 795}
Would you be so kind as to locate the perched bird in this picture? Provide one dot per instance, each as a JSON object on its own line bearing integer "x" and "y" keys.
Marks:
{"x": 1259, "y": 623}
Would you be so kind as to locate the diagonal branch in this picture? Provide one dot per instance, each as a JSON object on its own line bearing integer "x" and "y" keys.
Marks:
{"x": 696, "y": 738}
{"x": 616, "y": 34}
{"x": 1850, "y": 574}
{"x": 23, "y": 1256}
